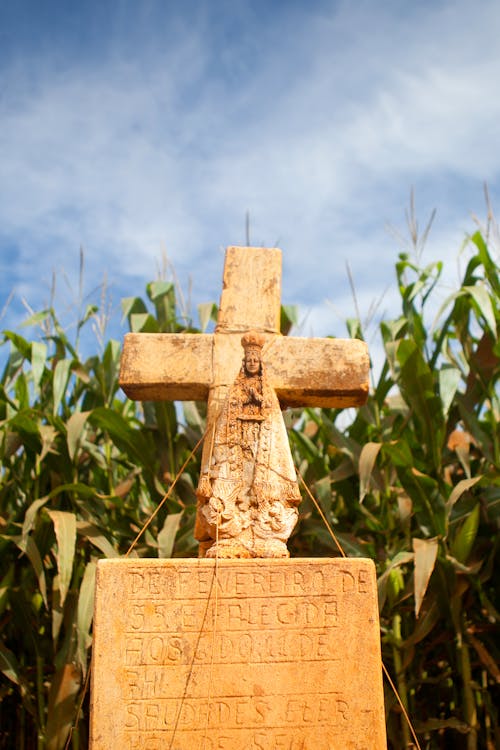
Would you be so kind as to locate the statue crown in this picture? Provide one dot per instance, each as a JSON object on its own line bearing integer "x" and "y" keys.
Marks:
{"x": 253, "y": 339}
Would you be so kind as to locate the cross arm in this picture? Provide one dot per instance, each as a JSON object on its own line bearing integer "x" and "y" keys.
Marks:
{"x": 167, "y": 366}
{"x": 331, "y": 373}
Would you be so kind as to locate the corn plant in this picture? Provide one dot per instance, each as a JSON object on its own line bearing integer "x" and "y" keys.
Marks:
{"x": 413, "y": 482}
{"x": 82, "y": 470}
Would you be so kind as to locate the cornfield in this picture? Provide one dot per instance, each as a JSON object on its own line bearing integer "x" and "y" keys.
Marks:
{"x": 413, "y": 482}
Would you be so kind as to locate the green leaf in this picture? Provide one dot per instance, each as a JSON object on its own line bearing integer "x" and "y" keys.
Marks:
{"x": 166, "y": 537}
{"x": 31, "y": 514}
{"x": 97, "y": 538}
{"x": 143, "y": 323}
{"x": 289, "y": 316}
{"x": 38, "y": 359}
{"x": 417, "y": 386}
{"x": 85, "y": 613}
{"x": 459, "y": 489}
{"x": 343, "y": 471}
{"x": 29, "y": 547}
{"x": 22, "y": 346}
{"x": 424, "y": 626}
{"x": 81, "y": 490}
{"x": 26, "y": 425}
{"x": 74, "y": 431}
{"x": 401, "y": 558}
{"x": 90, "y": 311}
{"x": 132, "y": 306}
{"x": 398, "y": 451}
{"x": 393, "y": 330}
{"x": 162, "y": 294}
{"x": 61, "y": 705}
{"x": 65, "y": 529}
{"x": 449, "y": 378}
{"x": 425, "y": 558}
{"x": 489, "y": 265}
{"x": 428, "y": 504}
{"x": 434, "y": 725}
{"x": 207, "y": 311}
{"x": 481, "y": 297}
{"x": 464, "y": 539}
{"x": 367, "y": 459}
{"x": 5, "y": 585}
{"x": 60, "y": 381}
{"x": 110, "y": 366}
{"x": 133, "y": 442}
{"x": 306, "y": 445}
{"x": 192, "y": 415}
{"x": 57, "y": 608}
{"x": 354, "y": 328}
{"x": 9, "y": 666}
{"x": 483, "y": 437}
{"x": 323, "y": 492}
{"x": 36, "y": 318}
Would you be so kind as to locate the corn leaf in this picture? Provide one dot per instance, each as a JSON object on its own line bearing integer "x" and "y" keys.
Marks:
{"x": 207, "y": 311}
{"x": 166, "y": 537}
{"x": 29, "y": 547}
{"x": 367, "y": 459}
{"x": 65, "y": 530}
{"x": 97, "y": 538}
{"x": 459, "y": 489}
{"x": 481, "y": 297}
{"x": 74, "y": 430}
{"x": 425, "y": 558}
{"x": 449, "y": 379}
{"x": 85, "y": 613}
{"x": 60, "y": 381}
{"x": 61, "y": 705}
{"x": 38, "y": 359}
{"x": 464, "y": 539}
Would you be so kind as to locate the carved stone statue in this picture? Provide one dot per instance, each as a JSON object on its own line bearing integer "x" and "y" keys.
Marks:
{"x": 247, "y": 495}
{"x": 248, "y": 492}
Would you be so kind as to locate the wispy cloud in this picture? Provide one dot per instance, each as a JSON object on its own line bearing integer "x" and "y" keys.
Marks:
{"x": 317, "y": 120}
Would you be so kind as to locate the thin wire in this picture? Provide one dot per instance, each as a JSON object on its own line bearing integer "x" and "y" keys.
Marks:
{"x": 386, "y": 673}
{"x": 214, "y": 626}
{"x": 79, "y": 710}
{"x": 165, "y": 496}
{"x": 163, "y": 500}
{"x": 148, "y": 522}
{"x": 403, "y": 709}
{"x": 330, "y": 530}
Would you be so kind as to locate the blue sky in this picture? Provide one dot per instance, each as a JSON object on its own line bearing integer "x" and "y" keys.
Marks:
{"x": 137, "y": 129}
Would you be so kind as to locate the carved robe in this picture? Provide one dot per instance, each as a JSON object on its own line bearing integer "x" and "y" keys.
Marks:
{"x": 248, "y": 493}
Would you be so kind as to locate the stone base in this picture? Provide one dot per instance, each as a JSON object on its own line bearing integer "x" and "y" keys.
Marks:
{"x": 237, "y": 655}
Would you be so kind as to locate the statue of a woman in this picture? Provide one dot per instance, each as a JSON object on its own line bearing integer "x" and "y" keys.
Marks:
{"x": 248, "y": 492}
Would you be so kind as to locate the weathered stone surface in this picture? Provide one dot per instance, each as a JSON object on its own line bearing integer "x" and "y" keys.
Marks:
{"x": 292, "y": 372}
{"x": 332, "y": 373}
{"x": 251, "y": 290}
{"x": 237, "y": 655}
{"x": 167, "y": 366}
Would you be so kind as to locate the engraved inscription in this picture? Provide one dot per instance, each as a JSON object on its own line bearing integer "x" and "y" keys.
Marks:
{"x": 147, "y": 616}
{"x": 231, "y": 712}
{"x": 253, "y": 659}
{"x": 233, "y": 648}
{"x": 201, "y": 583}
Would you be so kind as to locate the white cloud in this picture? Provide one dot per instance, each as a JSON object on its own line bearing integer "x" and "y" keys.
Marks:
{"x": 319, "y": 131}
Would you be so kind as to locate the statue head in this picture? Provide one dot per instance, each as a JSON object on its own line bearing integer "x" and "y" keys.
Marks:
{"x": 252, "y": 342}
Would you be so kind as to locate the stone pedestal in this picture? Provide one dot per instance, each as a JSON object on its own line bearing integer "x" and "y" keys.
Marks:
{"x": 237, "y": 655}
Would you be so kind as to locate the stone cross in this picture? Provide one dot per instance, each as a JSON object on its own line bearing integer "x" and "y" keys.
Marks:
{"x": 323, "y": 372}
{"x": 235, "y": 654}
